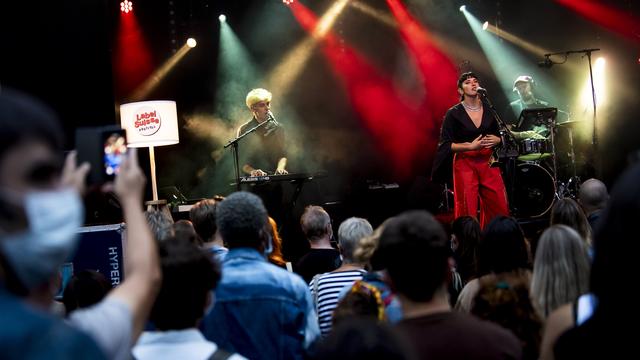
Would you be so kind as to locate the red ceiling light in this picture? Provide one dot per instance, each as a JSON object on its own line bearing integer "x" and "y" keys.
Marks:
{"x": 126, "y": 6}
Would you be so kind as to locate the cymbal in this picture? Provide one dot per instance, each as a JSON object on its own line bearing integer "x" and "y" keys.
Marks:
{"x": 571, "y": 123}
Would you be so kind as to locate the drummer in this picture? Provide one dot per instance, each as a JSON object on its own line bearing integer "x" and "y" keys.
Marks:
{"x": 523, "y": 86}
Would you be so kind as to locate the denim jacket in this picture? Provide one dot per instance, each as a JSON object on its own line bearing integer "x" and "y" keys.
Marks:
{"x": 261, "y": 311}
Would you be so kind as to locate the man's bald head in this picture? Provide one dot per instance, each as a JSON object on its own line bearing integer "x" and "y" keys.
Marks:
{"x": 593, "y": 195}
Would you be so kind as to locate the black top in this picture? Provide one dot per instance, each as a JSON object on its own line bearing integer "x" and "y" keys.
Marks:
{"x": 458, "y": 127}
{"x": 263, "y": 148}
{"x": 317, "y": 261}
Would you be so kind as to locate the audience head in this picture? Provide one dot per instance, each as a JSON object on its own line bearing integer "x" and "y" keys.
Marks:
{"x": 242, "y": 221}
{"x": 315, "y": 223}
{"x": 27, "y": 121}
{"x": 362, "y": 300}
{"x": 203, "y": 217}
{"x": 504, "y": 299}
{"x": 464, "y": 230}
{"x": 593, "y": 195}
{"x": 465, "y": 236}
{"x": 567, "y": 212}
{"x": 414, "y": 246}
{"x": 188, "y": 277}
{"x": 84, "y": 289}
{"x": 39, "y": 215}
{"x": 184, "y": 231}
{"x": 161, "y": 224}
{"x": 350, "y": 232}
{"x": 561, "y": 268}
{"x": 502, "y": 247}
{"x": 360, "y": 339}
{"x": 366, "y": 249}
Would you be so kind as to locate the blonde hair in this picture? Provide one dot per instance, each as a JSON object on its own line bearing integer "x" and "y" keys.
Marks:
{"x": 561, "y": 268}
{"x": 257, "y": 95}
{"x": 367, "y": 245}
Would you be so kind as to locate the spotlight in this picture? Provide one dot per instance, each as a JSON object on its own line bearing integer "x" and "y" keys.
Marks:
{"x": 191, "y": 42}
{"x": 485, "y": 25}
{"x": 463, "y": 8}
{"x": 222, "y": 18}
{"x": 126, "y": 6}
{"x": 287, "y": 2}
{"x": 600, "y": 61}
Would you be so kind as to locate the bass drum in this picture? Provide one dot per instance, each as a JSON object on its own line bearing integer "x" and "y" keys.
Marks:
{"x": 534, "y": 191}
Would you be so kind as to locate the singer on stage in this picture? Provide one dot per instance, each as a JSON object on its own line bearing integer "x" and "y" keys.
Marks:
{"x": 470, "y": 133}
{"x": 264, "y": 149}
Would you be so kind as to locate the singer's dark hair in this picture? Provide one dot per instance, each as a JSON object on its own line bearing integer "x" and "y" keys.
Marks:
{"x": 465, "y": 76}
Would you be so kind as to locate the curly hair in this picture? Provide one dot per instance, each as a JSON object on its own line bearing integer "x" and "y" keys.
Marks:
{"x": 504, "y": 299}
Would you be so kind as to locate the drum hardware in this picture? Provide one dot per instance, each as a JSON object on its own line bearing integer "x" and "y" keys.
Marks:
{"x": 447, "y": 202}
{"x": 572, "y": 187}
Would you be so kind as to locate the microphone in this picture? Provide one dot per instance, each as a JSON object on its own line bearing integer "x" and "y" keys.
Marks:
{"x": 482, "y": 91}
{"x": 546, "y": 63}
{"x": 272, "y": 123}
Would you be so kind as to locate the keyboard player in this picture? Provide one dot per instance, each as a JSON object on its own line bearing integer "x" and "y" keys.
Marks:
{"x": 263, "y": 150}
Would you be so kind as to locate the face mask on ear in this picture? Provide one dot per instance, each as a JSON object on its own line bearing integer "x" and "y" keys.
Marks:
{"x": 269, "y": 248}
{"x": 36, "y": 252}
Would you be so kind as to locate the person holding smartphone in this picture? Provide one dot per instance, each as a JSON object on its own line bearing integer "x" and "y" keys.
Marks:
{"x": 470, "y": 133}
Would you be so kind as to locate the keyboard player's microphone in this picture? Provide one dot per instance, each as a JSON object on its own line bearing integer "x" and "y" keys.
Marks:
{"x": 272, "y": 124}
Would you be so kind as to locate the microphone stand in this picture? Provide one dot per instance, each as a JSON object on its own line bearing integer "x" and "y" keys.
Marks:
{"x": 507, "y": 140}
{"x": 234, "y": 144}
{"x": 594, "y": 135}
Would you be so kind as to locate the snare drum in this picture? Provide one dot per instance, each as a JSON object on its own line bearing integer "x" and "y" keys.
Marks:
{"x": 534, "y": 149}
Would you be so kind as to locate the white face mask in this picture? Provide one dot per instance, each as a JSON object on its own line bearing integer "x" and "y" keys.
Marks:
{"x": 54, "y": 219}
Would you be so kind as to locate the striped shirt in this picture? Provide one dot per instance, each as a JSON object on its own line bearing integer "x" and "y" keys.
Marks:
{"x": 329, "y": 287}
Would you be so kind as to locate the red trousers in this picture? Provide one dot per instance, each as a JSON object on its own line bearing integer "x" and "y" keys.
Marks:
{"x": 473, "y": 177}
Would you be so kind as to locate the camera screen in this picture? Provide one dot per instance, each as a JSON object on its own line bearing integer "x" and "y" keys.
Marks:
{"x": 115, "y": 148}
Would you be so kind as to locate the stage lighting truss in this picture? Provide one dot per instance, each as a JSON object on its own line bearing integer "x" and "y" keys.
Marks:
{"x": 126, "y": 6}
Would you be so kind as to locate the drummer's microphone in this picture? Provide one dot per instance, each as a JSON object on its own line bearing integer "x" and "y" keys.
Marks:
{"x": 546, "y": 63}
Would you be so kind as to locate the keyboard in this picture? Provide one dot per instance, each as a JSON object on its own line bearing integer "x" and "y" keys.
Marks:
{"x": 274, "y": 178}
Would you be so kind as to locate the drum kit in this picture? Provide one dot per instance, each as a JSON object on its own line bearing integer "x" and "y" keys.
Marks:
{"x": 531, "y": 174}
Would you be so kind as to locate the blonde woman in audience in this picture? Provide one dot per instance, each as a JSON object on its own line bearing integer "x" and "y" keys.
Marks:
{"x": 365, "y": 253}
{"x": 561, "y": 269}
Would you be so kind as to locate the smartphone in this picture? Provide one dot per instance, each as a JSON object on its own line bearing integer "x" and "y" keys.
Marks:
{"x": 104, "y": 148}
{"x": 114, "y": 151}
